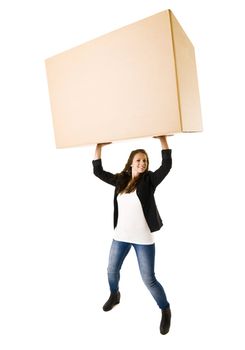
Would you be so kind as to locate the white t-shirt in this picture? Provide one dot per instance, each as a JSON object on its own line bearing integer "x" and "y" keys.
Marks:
{"x": 132, "y": 226}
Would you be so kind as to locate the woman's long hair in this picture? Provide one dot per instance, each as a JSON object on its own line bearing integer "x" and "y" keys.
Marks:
{"x": 125, "y": 182}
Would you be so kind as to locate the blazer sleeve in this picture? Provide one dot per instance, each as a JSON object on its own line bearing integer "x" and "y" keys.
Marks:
{"x": 157, "y": 176}
{"x": 102, "y": 174}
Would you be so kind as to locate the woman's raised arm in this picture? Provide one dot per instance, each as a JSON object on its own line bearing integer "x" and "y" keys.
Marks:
{"x": 98, "y": 149}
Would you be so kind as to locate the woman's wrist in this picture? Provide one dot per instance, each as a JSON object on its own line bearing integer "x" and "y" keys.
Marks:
{"x": 97, "y": 154}
{"x": 164, "y": 143}
{"x": 99, "y": 148}
{"x": 163, "y": 140}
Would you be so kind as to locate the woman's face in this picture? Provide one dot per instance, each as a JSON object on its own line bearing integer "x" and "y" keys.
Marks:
{"x": 139, "y": 164}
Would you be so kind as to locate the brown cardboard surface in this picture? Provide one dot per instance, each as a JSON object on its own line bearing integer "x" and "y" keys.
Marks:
{"x": 186, "y": 79}
{"x": 129, "y": 83}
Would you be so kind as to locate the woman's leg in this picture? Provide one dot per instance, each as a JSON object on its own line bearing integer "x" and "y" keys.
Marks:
{"x": 118, "y": 253}
{"x": 146, "y": 260}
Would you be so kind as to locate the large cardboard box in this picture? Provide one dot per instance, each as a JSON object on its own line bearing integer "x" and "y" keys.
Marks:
{"x": 137, "y": 81}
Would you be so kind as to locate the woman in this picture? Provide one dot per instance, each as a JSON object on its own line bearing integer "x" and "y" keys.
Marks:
{"x": 135, "y": 219}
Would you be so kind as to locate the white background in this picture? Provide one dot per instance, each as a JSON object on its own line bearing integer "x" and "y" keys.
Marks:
{"x": 56, "y": 217}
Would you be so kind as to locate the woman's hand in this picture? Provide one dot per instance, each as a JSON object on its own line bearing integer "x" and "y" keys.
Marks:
{"x": 103, "y": 144}
{"x": 163, "y": 140}
{"x": 99, "y": 148}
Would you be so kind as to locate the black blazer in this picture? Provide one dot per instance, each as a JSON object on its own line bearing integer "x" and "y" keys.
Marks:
{"x": 145, "y": 188}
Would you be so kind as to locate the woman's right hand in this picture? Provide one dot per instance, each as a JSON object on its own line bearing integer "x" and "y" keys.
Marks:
{"x": 99, "y": 148}
{"x": 103, "y": 144}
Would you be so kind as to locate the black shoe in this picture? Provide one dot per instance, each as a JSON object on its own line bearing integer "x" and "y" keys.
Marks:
{"x": 165, "y": 321}
{"x": 113, "y": 300}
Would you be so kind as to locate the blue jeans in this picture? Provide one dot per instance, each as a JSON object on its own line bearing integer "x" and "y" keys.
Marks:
{"x": 146, "y": 261}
